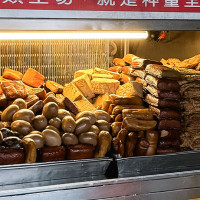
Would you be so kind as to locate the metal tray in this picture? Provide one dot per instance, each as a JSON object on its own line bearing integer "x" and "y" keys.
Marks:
{"x": 170, "y": 186}
{"x": 48, "y": 173}
{"x": 158, "y": 164}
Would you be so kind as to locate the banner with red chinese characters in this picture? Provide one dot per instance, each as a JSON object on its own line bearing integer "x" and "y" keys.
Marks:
{"x": 105, "y": 5}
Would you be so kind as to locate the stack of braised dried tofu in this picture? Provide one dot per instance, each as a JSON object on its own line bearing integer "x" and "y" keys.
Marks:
{"x": 164, "y": 100}
{"x": 161, "y": 89}
{"x": 91, "y": 86}
{"x": 190, "y": 91}
{"x": 131, "y": 66}
{"x": 138, "y": 122}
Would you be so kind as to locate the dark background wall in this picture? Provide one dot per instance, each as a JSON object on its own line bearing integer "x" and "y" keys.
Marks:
{"x": 177, "y": 44}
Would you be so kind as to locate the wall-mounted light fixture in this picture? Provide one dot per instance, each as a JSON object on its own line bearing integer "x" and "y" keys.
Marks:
{"x": 23, "y": 35}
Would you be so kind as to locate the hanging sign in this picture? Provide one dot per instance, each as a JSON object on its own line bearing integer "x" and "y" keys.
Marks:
{"x": 105, "y": 5}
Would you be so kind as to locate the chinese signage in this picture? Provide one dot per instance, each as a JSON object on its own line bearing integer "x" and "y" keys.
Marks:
{"x": 105, "y": 5}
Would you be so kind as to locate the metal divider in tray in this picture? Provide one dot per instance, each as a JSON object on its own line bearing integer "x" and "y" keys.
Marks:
{"x": 158, "y": 164}
{"x": 50, "y": 173}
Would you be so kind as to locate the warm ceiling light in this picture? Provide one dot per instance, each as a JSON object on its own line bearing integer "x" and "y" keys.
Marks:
{"x": 74, "y": 35}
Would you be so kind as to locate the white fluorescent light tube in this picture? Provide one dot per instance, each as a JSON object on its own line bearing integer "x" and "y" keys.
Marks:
{"x": 74, "y": 35}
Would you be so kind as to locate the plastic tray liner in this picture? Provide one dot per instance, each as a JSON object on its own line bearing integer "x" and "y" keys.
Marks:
{"x": 49, "y": 173}
{"x": 158, "y": 164}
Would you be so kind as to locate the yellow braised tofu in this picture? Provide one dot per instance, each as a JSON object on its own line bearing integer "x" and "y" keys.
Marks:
{"x": 100, "y": 99}
{"x": 72, "y": 92}
{"x": 130, "y": 89}
{"x": 103, "y": 85}
{"x": 83, "y": 83}
{"x": 78, "y": 73}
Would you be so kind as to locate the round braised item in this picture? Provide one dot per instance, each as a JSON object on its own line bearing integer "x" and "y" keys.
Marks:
{"x": 24, "y": 114}
{"x": 50, "y": 110}
{"x": 90, "y": 115}
{"x": 68, "y": 124}
{"x": 82, "y": 125}
{"x": 102, "y": 115}
{"x": 53, "y": 128}
{"x": 35, "y": 132}
{"x": 56, "y": 122}
{"x": 21, "y": 126}
{"x": 38, "y": 139}
{"x": 103, "y": 125}
{"x": 8, "y": 113}
{"x": 16, "y": 134}
{"x": 62, "y": 113}
{"x": 37, "y": 107}
{"x": 21, "y": 103}
{"x": 39, "y": 122}
{"x": 94, "y": 129}
{"x": 7, "y": 133}
{"x": 52, "y": 139}
{"x": 12, "y": 143}
{"x": 88, "y": 138}
{"x": 69, "y": 139}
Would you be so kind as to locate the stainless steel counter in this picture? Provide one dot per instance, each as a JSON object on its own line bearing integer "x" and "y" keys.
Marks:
{"x": 41, "y": 174}
{"x": 160, "y": 177}
{"x": 171, "y": 186}
{"x": 158, "y": 164}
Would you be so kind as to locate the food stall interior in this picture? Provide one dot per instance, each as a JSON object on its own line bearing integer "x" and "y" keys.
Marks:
{"x": 58, "y": 60}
